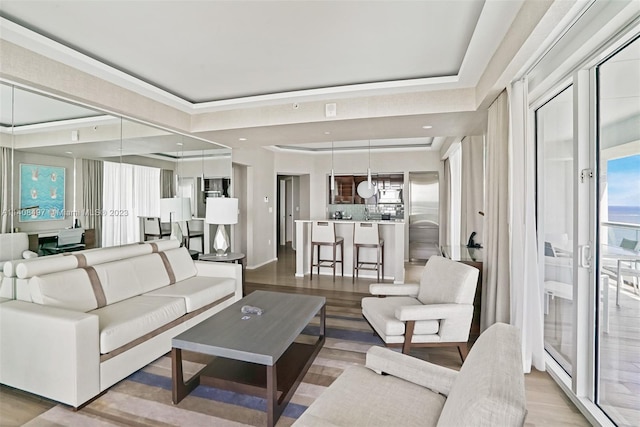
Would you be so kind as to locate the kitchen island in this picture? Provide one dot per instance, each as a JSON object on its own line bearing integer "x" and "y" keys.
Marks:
{"x": 392, "y": 232}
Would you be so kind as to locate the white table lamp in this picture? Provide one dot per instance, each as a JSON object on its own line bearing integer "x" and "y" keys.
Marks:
{"x": 221, "y": 211}
{"x": 175, "y": 209}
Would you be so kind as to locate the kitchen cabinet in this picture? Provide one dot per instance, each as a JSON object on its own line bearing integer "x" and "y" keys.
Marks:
{"x": 389, "y": 189}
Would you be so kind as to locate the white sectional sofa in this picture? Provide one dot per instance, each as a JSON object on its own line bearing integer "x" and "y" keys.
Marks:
{"x": 89, "y": 319}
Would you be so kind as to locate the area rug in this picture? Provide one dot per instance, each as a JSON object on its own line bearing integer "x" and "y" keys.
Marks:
{"x": 144, "y": 398}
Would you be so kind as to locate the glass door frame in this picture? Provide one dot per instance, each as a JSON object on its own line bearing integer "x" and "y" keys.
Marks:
{"x": 581, "y": 384}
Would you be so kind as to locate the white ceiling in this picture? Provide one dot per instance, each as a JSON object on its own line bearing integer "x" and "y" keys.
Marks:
{"x": 217, "y": 54}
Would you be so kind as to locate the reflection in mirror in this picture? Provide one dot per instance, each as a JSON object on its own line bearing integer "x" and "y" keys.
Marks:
{"x": 102, "y": 172}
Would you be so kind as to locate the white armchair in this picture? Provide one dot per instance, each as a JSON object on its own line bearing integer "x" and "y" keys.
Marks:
{"x": 487, "y": 391}
{"x": 435, "y": 313}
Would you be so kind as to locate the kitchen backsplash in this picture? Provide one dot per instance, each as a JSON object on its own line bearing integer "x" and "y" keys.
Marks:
{"x": 363, "y": 212}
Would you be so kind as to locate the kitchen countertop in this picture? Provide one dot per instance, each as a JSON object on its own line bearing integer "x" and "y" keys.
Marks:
{"x": 351, "y": 221}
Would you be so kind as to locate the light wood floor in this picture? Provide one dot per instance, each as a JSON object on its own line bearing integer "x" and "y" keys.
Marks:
{"x": 547, "y": 405}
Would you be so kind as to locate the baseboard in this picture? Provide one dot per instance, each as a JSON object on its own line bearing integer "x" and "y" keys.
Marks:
{"x": 253, "y": 267}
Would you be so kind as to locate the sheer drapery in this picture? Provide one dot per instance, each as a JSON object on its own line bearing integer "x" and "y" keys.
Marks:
{"x": 92, "y": 192}
{"x": 5, "y": 187}
{"x": 526, "y": 292}
{"x": 455, "y": 192}
{"x": 166, "y": 183}
{"x": 445, "y": 208}
{"x": 146, "y": 197}
{"x": 133, "y": 191}
{"x": 116, "y": 194}
{"x": 472, "y": 202}
{"x": 495, "y": 289}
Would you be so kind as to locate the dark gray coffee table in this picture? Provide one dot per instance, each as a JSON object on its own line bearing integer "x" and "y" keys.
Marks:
{"x": 256, "y": 356}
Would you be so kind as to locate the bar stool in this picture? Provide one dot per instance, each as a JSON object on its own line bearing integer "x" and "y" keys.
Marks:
{"x": 323, "y": 233}
{"x": 367, "y": 235}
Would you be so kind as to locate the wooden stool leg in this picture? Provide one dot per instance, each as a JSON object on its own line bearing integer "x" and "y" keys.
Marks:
{"x": 342, "y": 258}
{"x": 311, "y": 263}
{"x": 353, "y": 274}
{"x": 382, "y": 251}
{"x": 378, "y": 264}
{"x": 334, "y": 262}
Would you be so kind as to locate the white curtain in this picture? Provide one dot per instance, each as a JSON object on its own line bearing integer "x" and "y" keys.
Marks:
{"x": 146, "y": 197}
{"x": 5, "y": 185}
{"x": 130, "y": 191}
{"x": 496, "y": 279}
{"x": 455, "y": 159}
{"x": 472, "y": 188}
{"x": 526, "y": 292}
{"x": 92, "y": 192}
{"x": 445, "y": 204}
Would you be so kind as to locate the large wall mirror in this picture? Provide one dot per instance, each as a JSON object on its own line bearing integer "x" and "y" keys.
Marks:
{"x": 65, "y": 166}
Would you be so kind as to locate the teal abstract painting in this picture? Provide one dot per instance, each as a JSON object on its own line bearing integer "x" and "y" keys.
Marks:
{"x": 41, "y": 193}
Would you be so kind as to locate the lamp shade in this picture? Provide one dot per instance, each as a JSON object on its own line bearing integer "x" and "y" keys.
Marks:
{"x": 175, "y": 209}
{"x": 221, "y": 210}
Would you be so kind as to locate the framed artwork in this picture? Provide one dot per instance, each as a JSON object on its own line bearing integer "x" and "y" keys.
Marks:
{"x": 41, "y": 193}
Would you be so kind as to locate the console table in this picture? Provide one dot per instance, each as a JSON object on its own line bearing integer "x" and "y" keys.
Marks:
{"x": 474, "y": 258}
{"x": 38, "y": 238}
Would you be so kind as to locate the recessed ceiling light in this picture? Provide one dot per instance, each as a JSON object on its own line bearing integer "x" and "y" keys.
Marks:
{"x": 179, "y": 144}
{"x": 242, "y": 139}
{"x": 68, "y": 152}
{"x": 427, "y": 127}
{"x": 327, "y": 133}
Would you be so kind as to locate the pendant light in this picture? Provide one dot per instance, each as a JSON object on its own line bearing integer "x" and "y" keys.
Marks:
{"x": 369, "y": 168}
{"x": 333, "y": 180}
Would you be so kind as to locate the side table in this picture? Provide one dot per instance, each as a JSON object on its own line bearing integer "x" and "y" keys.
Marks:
{"x": 236, "y": 257}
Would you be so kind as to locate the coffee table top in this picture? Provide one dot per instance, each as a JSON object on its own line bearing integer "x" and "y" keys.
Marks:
{"x": 258, "y": 339}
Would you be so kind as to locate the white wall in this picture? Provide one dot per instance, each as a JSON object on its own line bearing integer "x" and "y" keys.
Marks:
{"x": 261, "y": 183}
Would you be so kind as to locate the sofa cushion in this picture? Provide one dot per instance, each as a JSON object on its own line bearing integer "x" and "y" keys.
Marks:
{"x": 66, "y": 289}
{"x": 181, "y": 263}
{"x": 114, "y": 253}
{"x": 489, "y": 389}
{"x": 198, "y": 291}
{"x": 12, "y": 245}
{"x": 127, "y": 320}
{"x": 381, "y": 312}
{"x": 118, "y": 280}
{"x": 150, "y": 271}
{"x": 360, "y": 397}
{"x": 89, "y": 257}
{"x": 45, "y": 265}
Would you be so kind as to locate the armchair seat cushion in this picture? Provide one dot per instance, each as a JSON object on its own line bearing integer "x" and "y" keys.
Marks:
{"x": 381, "y": 314}
{"x": 360, "y": 397}
{"x": 124, "y": 321}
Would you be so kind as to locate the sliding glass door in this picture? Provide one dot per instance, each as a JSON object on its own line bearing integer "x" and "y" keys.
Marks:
{"x": 618, "y": 329}
{"x": 588, "y": 143}
{"x": 554, "y": 138}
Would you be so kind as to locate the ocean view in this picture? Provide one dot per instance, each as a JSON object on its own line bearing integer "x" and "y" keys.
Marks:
{"x": 625, "y": 214}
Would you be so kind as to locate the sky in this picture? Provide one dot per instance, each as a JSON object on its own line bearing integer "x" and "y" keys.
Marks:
{"x": 623, "y": 181}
